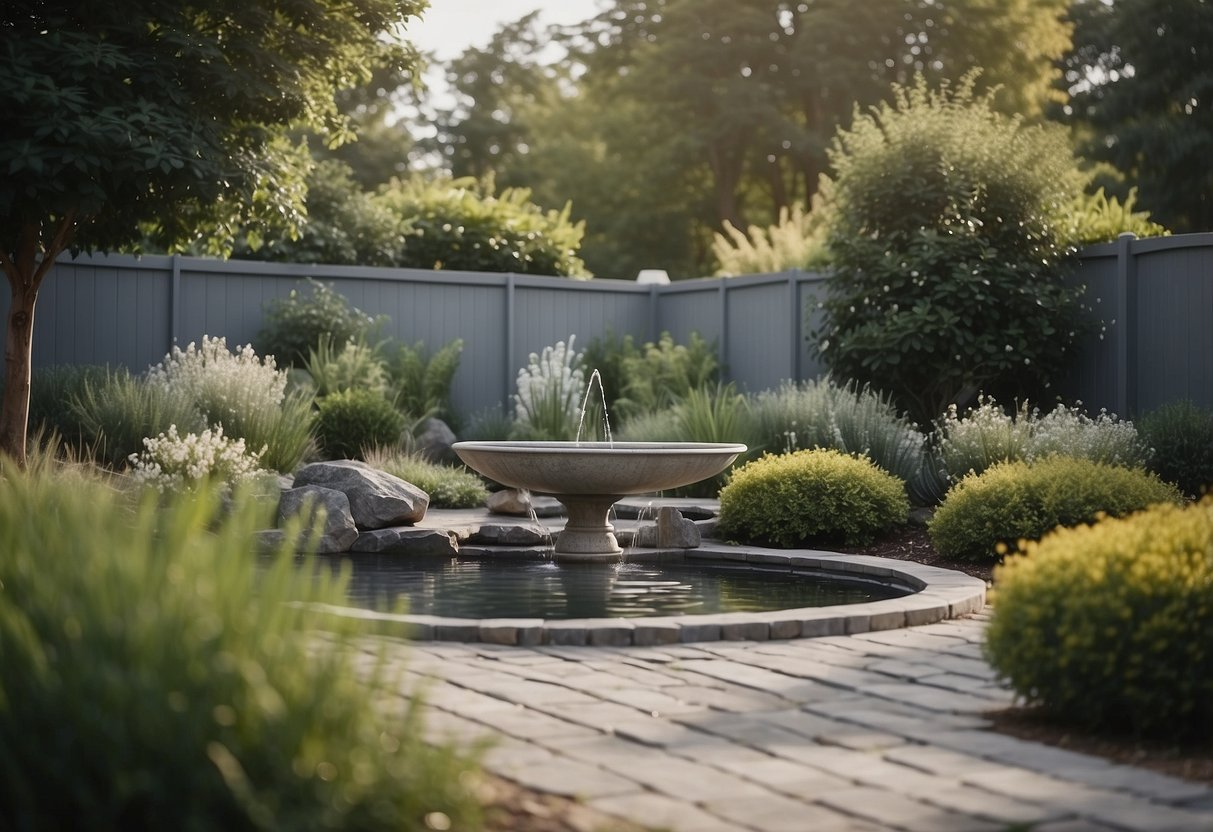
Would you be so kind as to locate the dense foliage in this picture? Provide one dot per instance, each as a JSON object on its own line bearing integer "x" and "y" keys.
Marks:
{"x": 818, "y": 495}
{"x": 947, "y": 250}
{"x": 153, "y": 676}
{"x": 128, "y": 119}
{"x": 1109, "y": 626}
{"x": 294, "y": 325}
{"x": 350, "y": 422}
{"x": 988, "y": 515}
{"x": 1181, "y": 435}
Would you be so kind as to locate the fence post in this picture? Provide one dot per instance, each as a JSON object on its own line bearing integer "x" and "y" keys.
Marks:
{"x": 722, "y": 346}
{"x": 174, "y": 302}
{"x": 511, "y": 368}
{"x": 794, "y": 311}
{"x": 1126, "y": 329}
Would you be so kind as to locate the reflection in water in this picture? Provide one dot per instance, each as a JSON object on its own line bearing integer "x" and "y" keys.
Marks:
{"x": 545, "y": 589}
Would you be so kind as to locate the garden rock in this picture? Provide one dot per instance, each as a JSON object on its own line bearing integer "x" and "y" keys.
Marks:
{"x": 406, "y": 540}
{"x": 339, "y": 531}
{"x": 378, "y": 500}
{"x": 435, "y": 440}
{"x": 673, "y": 531}
{"x": 518, "y": 502}
{"x": 512, "y": 534}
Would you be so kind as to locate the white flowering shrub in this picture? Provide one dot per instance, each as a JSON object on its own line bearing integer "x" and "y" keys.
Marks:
{"x": 227, "y": 387}
{"x": 550, "y": 392}
{"x": 171, "y": 461}
{"x": 987, "y": 435}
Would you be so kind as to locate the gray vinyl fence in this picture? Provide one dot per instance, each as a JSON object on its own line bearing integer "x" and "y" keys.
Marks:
{"x": 1155, "y": 297}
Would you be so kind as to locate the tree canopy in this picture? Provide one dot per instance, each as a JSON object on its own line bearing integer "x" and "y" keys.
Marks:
{"x": 162, "y": 118}
{"x": 1140, "y": 78}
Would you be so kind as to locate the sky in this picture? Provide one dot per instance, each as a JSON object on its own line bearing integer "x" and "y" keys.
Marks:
{"x": 450, "y": 26}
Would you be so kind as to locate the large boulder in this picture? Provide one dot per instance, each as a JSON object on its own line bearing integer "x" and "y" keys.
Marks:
{"x": 339, "y": 531}
{"x": 378, "y": 500}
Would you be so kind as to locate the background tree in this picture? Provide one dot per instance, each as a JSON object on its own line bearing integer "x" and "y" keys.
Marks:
{"x": 1140, "y": 78}
{"x": 164, "y": 118}
{"x": 666, "y": 118}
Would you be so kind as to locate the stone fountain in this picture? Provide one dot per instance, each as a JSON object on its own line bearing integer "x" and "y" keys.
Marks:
{"x": 590, "y": 477}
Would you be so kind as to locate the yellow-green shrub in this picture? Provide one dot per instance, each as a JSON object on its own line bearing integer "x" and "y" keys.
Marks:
{"x": 788, "y": 499}
{"x": 987, "y": 515}
{"x": 1111, "y": 625}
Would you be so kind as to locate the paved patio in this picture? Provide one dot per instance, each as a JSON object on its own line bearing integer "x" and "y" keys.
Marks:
{"x": 874, "y": 731}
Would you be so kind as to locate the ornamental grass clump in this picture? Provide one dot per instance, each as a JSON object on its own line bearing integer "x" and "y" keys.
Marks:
{"x": 988, "y": 515}
{"x": 805, "y": 496}
{"x": 446, "y": 485}
{"x": 154, "y": 674}
{"x": 848, "y": 418}
{"x": 1110, "y": 626}
{"x": 551, "y": 389}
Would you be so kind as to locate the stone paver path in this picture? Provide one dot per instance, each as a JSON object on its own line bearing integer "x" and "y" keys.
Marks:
{"x": 865, "y": 732}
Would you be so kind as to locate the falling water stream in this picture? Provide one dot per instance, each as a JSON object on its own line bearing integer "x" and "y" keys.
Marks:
{"x": 585, "y": 403}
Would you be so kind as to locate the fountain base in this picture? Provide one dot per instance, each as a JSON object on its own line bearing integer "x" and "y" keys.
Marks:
{"x": 588, "y": 536}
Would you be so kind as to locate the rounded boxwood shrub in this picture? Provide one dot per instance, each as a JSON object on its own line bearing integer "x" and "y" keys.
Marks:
{"x": 351, "y": 420}
{"x": 987, "y": 515}
{"x": 1111, "y": 625}
{"x": 792, "y": 498}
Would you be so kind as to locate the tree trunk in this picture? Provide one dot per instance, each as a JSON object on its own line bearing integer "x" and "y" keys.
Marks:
{"x": 18, "y": 351}
{"x": 25, "y": 267}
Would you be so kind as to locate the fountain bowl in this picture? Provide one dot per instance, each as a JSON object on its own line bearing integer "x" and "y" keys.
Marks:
{"x": 589, "y": 477}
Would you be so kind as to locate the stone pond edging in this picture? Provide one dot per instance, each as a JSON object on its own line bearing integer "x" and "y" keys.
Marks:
{"x": 941, "y": 594}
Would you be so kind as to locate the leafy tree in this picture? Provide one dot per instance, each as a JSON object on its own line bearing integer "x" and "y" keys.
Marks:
{"x": 948, "y": 241}
{"x": 667, "y": 118}
{"x": 160, "y": 117}
{"x": 1140, "y": 77}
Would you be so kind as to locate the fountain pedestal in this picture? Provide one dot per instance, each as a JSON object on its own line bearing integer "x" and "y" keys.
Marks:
{"x": 588, "y": 535}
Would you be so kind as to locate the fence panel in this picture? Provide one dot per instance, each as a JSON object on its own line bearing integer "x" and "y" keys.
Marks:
{"x": 1154, "y": 296}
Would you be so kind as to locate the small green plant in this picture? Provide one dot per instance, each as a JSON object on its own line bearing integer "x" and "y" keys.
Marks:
{"x": 792, "y": 499}
{"x": 1110, "y": 627}
{"x": 448, "y": 486}
{"x": 338, "y": 367}
{"x": 1181, "y": 434}
{"x": 795, "y": 241}
{"x": 849, "y": 418}
{"x": 295, "y": 324}
{"x": 353, "y": 420}
{"x": 421, "y": 381}
{"x": 117, "y": 414}
{"x": 155, "y": 675}
{"x": 550, "y": 392}
{"x": 988, "y": 434}
{"x": 988, "y": 515}
{"x": 665, "y": 372}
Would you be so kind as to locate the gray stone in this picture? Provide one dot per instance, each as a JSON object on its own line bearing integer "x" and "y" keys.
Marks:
{"x": 339, "y": 531}
{"x": 512, "y": 534}
{"x": 377, "y": 499}
{"x": 513, "y": 502}
{"x": 435, "y": 440}
{"x": 406, "y": 540}
{"x": 673, "y": 531}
